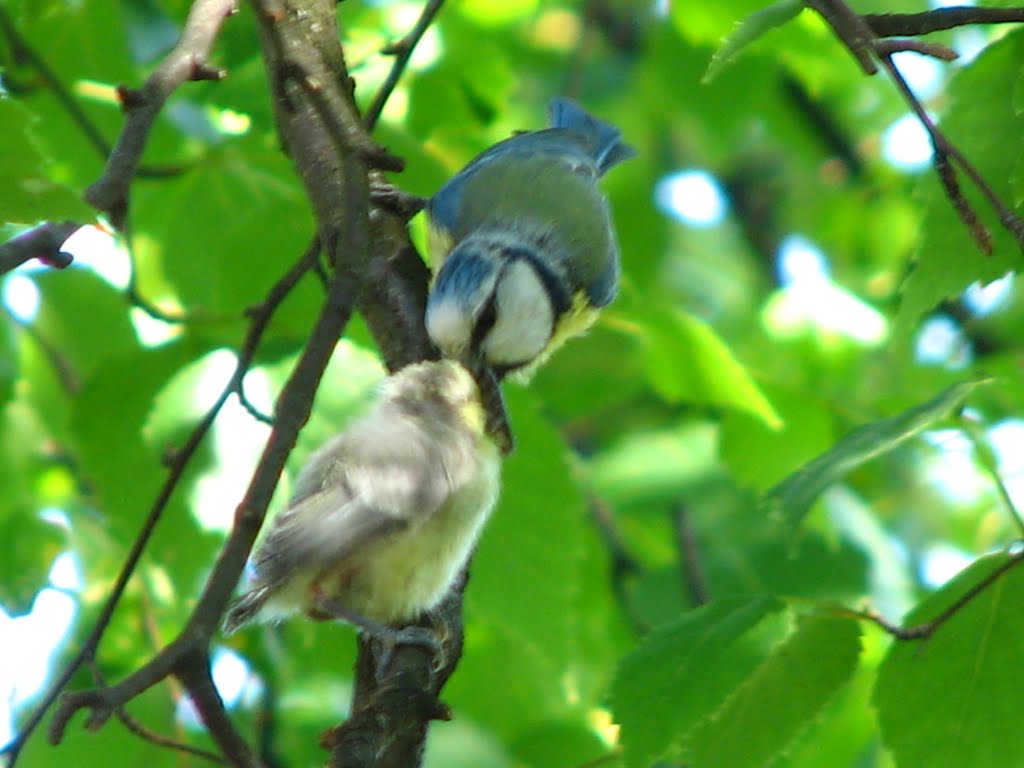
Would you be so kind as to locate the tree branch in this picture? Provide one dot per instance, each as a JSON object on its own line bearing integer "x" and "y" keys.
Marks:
{"x": 991, "y": 464}
{"x": 928, "y": 628}
{"x": 623, "y": 563}
{"x": 43, "y": 242}
{"x": 900, "y": 24}
{"x": 21, "y": 51}
{"x": 860, "y": 38}
{"x": 62, "y": 367}
{"x": 188, "y": 61}
{"x": 322, "y": 131}
{"x": 187, "y": 656}
{"x": 177, "y": 468}
{"x": 694, "y": 581}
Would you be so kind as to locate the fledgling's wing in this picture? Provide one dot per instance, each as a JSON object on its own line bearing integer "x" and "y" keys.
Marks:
{"x": 322, "y": 528}
{"x": 381, "y": 476}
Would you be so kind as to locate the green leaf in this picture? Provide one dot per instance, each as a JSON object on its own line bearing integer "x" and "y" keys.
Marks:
{"x": 793, "y": 497}
{"x": 108, "y": 419}
{"x": 28, "y": 191}
{"x": 687, "y": 669}
{"x": 953, "y": 699}
{"x": 761, "y": 456}
{"x": 84, "y": 318}
{"x": 710, "y": 22}
{"x": 524, "y": 580}
{"x": 779, "y": 700}
{"x": 229, "y": 228}
{"x": 749, "y": 30}
{"x": 983, "y": 123}
{"x": 25, "y": 568}
{"x": 687, "y": 361}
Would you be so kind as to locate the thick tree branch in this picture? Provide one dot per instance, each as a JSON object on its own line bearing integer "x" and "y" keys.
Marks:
{"x": 188, "y": 61}
{"x": 327, "y": 140}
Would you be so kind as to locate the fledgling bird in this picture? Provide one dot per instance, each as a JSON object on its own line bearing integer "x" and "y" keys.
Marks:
{"x": 384, "y": 515}
{"x": 533, "y": 255}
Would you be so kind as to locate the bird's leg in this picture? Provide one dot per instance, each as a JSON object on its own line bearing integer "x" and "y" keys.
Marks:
{"x": 386, "y": 638}
{"x": 398, "y": 201}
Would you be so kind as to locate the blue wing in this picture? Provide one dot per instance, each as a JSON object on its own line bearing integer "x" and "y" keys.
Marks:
{"x": 586, "y": 144}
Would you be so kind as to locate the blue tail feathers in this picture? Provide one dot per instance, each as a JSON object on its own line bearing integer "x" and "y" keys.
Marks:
{"x": 607, "y": 147}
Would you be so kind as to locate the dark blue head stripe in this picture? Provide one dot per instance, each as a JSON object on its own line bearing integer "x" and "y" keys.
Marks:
{"x": 555, "y": 286}
{"x": 462, "y": 275}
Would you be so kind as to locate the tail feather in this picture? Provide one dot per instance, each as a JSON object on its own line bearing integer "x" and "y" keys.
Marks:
{"x": 607, "y": 145}
{"x": 244, "y": 609}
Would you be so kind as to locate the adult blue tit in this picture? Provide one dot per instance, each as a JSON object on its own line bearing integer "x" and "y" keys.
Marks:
{"x": 385, "y": 515}
{"x": 531, "y": 251}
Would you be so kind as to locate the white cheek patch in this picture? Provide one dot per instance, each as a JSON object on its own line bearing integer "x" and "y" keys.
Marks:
{"x": 525, "y": 317}
{"x": 450, "y": 327}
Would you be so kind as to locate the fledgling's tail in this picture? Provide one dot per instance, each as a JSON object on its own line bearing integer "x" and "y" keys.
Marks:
{"x": 244, "y": 609}
{"x": 607, "y": 146}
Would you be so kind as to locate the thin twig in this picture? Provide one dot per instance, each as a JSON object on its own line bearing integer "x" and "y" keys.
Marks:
{"x": 177, "y": 468}
{"x": 928, "y": 628}
{"x": 152, "y": 310}
{"x": 42, "y": 242}
{"x": 988, "y": 461}
{"x": 899, "y": 24}
{"x": 61, "y": 365}
{"x": 623, "y": 564}
{"x": 597, "y": 762}
{"x": 132, "y": 292}
{"x": 944, "y": 146}
{"x": 694, "y": 580}
{"x": 861, "y": 40}
{"x": 251, "y": 409}
{"x": 187, "y": 61}
{"x": 402, "y": 51}
{"x": 923, "y": 47}
{"x": 22, "y": 51}
{"x": 187, "y": 656}
{"x": 152, "y": 737}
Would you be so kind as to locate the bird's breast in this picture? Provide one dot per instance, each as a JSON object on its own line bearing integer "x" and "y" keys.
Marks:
{"x": 408, "y": 572}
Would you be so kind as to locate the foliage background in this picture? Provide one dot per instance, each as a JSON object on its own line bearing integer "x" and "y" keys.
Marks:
{"x": 708, "y": 382}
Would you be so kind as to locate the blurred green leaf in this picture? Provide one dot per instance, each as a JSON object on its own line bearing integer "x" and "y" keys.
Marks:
{"x": 761, "y": 456}
{"x": 686, "y": 360}
{"x": 28, "y": 191}
{"x": 750, "y": 29}
{"x": 123, "y": 470}
{"x": 792, "y": 499}
{"x": 85, "y": 319}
